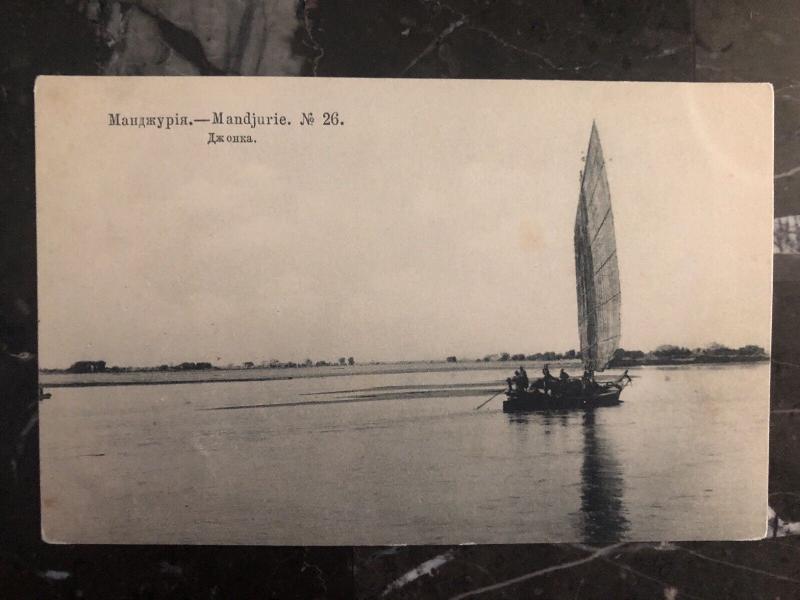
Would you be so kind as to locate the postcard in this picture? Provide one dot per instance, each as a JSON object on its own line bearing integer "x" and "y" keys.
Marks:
{"x": 302, "y": 311}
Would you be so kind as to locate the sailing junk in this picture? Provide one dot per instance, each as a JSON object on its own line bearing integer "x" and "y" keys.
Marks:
{"x": 599, "y": 300}
{"x": 596, "y": 267}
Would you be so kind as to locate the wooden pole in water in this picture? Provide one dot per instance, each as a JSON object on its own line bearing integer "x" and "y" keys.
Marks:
{"x": 489, "y": 400}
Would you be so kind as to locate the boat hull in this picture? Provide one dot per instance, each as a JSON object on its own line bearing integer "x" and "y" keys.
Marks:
{"x": 536, "y": 400}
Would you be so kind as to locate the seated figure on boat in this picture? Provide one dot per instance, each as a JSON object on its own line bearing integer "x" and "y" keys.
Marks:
{"x": 587, "y": 381}
{"x": 563, "y": 376}
{"x": 550, "y": 382}
{"x": 518, "y": 382}
{"x": 523, "y": 379}
{"x": 513, "y": 381}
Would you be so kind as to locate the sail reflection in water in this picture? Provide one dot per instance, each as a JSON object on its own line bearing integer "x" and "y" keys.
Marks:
{"x": 602, "y": 488}
{"x": 600, "y": 516}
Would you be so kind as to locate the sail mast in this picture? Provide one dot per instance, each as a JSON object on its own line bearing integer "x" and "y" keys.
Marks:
{"x": 596, "y": 268}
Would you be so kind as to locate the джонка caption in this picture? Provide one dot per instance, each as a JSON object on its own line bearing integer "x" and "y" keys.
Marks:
{"x": 221, "y": 119}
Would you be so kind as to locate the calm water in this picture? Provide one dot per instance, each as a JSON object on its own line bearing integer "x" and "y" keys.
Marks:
{"x": 405, "y": 458}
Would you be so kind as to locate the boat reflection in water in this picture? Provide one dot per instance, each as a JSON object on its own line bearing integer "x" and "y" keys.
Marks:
{"x": 602, "y": 488}
{"x": 601, "y": 517}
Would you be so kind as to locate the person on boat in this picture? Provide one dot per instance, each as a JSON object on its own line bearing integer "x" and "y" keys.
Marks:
{"x": 545, "y": 378}
{"x": 514, "y": 382}
{"x": 524, "y": 381}
{"x": 563, "y": 376}
{"x": 586, "y": 380}
{"x": 549, "y": 380}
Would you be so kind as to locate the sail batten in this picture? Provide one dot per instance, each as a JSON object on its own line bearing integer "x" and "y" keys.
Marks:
{"x": 605, "y": 216}
{"x": 598, "y": 288}
{"x": 605, "y": 262}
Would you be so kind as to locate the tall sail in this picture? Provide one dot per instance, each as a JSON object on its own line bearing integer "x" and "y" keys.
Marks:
{"x": 596, "y": 269}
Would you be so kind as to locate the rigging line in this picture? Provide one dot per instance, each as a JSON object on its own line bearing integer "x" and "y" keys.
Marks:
{"x": 608, "y": 258}
{"x": 603, "y": 222}
{"x": 608, "y": 339}
{"x": 589, "y": 165}
{"x": 603, "y": 303}
{"x": 586, "y": 168}
{"x": 599, "y": 176}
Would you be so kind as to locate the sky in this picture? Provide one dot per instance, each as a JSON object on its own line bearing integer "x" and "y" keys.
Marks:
{"x": 437, "y": 221}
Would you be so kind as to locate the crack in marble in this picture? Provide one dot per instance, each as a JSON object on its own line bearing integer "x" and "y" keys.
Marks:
{"x": 668, "y": 52}
{"x": 21, "y": 438}
{"x": 320, "y": 574}
{"x": 313, "y": 43}
{"x": 669, "y": 589}
{"x": 597, "y": 554}
{"x": 788, "y": 86}
{"x": 789, "y": 173}
{"x": 580, "y": 587}
{"x": 605, "y": 554}
{"x": 511, "y": 46}
{"x": 440, "y": 5}
{"x": 740, "y": 566}
{"x": 785, "y": 363}
{"x": 424, "y": 568}
{"x": 445, "y": 33}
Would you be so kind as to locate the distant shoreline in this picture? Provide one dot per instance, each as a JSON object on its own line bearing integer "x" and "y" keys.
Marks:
{"x": 692, "y": 360}
{"x": 136, "y": 377}
{"x": 64, "y": 379}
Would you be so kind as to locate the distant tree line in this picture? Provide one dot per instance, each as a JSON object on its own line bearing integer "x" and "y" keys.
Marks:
{"x": 277, "y": 364}
{"x": 669, "y": 353}
{"x": 663, "y": 352}
{"x": 552, "y": 356}
{"x": 88, "y": 366}
{"x": 100, "y": 366}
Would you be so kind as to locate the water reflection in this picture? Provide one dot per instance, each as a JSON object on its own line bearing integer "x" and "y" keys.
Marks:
{"x": 601, "y": 518}
{"x": 602, "y": 488}
{"x": 545, "y": 418}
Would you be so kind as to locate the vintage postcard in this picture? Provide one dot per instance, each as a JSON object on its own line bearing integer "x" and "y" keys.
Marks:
{"x": 348, "y": 311}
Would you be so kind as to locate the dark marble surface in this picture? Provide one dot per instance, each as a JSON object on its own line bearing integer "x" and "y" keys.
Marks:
{"x": 724, "y": 40}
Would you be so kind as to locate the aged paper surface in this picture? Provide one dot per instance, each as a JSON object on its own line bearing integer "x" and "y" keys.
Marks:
{"x": 283, "y": 311}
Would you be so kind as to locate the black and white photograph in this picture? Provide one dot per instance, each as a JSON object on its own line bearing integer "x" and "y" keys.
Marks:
{"x": 374, "y": 312}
